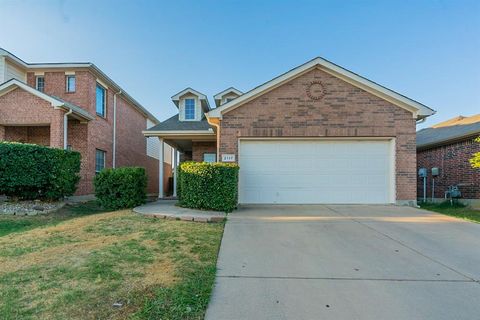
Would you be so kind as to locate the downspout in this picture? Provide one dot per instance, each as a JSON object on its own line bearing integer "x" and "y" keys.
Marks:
{"x": 216, "y": 124}
{"x": 114, "y": 146}
{"x": 65, "y": 128}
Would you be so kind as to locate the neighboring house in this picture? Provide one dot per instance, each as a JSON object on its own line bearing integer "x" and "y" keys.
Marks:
{"x": 448, "y": 146}
{"x": 76, "y": 106}
{"x": 315, "y": 134}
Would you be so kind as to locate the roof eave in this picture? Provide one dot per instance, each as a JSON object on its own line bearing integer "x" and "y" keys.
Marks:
{"x": 418, "y": 110}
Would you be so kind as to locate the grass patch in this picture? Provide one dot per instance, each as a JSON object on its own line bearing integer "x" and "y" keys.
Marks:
{"x": 10, "y": 223}
{"x": 457, "y": 210}
{"x": 79, "y": 266}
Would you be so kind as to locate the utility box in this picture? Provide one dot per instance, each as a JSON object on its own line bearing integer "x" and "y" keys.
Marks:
{"x": 422, "y": 172}
{"x": 435, "y": 171}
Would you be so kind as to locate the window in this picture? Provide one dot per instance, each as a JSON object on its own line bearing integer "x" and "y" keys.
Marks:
{"x": 99, "y": 160}
{"x": 40, "y": 83}
{"x": 189, "y": 109}
{"x": 210, "y": 157}
{"x": 100, "y": 100}
{"x": 70, "y": 83}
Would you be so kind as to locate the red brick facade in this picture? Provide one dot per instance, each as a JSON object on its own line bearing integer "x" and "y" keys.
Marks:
{"x": 343, "y": 111}
{"x": 199, "y": 148}
{"x": 20, "y": 108}
{"x": 455, "y": 169}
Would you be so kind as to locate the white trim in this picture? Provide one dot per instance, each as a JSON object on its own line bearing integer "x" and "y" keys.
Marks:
{"x": 393, "y": 170}
{"x": 160, "y": 169}
{"x": 178, "y": 132}
{"x": 69, "y": 73}
{"x": 175, "y": 160}
{"x": 191, "y": 91}
{"x": 14, "y": 83}
{"x": 200, "y": 96}
{"x": 219, "y": 95}
{"x": 44, "y": 96}
{"x": 417, "y": 109}
{"x": 102, "y": 84}
{"x": 38, "y": 73}
{"x": 36, "y": 82}
{"x": 78, "y": 65}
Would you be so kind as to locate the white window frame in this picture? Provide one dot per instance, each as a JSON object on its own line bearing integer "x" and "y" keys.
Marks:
{"x": 104, "y": 115}
{"x": 210, "y": 153}
{"x": 194, "y": 109}
{"x": 67, "y": 77}
{"x": 104, "y": 159}
{"x": 36, "y": 83}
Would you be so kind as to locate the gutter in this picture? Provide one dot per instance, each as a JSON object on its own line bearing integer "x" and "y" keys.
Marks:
{"x": 114, "y": 146}
{"x": 65, "y": 128}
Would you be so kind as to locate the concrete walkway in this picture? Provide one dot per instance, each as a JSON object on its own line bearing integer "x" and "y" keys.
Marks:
{"x": 166, "y": 209}
{"x": 346, "y": 262}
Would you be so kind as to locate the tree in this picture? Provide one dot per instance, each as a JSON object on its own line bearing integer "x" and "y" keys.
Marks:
{"x": 475, "y": 161}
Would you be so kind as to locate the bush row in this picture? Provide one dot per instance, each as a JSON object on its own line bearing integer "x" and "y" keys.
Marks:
{"x": 29, "y": 171}
{"x": 209, "y": 186}
{"x": 121, "y": 187}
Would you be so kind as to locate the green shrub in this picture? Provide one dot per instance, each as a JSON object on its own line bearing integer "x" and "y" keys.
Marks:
{"x": 121, "y": 187}
{"x": 29, "y": 171}
{"x": 209, "y": 186}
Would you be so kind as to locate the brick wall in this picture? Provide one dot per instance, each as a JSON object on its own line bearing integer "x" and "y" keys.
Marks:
{"x": 132, "y": 145}
{"x": 455, "y": 169}
{"x": 19, "y": 107}
{"x": 201, "y": 147}
{"x": 344, "y": 111}
{"x": 37, "y": 135}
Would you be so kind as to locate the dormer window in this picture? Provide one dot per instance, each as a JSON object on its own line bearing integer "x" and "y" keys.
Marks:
{"x": 226, "y": 96}
{"x": 189, "y": 109}
{"x": 191, "y": 105}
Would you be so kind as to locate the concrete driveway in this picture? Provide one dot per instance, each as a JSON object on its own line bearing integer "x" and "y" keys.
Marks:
{"x": 346, "y": 262}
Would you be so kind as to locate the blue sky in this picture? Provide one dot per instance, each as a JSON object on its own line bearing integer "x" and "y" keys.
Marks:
{"x": 427, "y": 50}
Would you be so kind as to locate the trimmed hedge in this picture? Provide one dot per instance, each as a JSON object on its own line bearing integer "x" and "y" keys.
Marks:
{"x": 209, "y": 186}
{"x": 121, "y": 188}
{"x": 29, "y": 171}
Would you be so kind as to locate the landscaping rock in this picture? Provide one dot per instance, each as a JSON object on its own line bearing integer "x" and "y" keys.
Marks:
{"x": 23, "y": 208}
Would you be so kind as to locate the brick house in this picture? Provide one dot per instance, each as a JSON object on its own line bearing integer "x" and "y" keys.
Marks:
{"x": 448, "y": 146}
{"x": 315, "y": 134}
{"x": 76, "y": 106}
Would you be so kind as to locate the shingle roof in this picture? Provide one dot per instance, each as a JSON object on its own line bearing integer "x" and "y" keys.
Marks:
{"x": 173, "y": 124}
{"x": 450, "y": 130}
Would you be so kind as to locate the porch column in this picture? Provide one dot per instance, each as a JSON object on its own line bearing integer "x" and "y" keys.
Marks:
{"x": 56, "y": 130}
{"x": 175, "y": 156}
{"x": 160, "y": 170}
{"x": 2, "y": 133}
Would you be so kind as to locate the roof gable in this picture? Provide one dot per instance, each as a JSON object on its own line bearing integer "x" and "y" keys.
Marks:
{"x": 417, "y": 109}
{"x": 203, "y": 98}
{"x": 56, "y": 102}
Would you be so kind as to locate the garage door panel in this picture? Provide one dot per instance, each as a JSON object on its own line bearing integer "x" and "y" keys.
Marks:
{"x": 315, "y": 171}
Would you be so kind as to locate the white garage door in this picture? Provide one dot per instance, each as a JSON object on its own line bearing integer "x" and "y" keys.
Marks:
{"x": 315, "y": 171}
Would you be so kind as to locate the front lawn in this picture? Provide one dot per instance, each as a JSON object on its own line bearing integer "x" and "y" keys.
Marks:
{"x": 114, "y": 265}
{"x": 457, "y": 210}
{"x": 10, "y": 223}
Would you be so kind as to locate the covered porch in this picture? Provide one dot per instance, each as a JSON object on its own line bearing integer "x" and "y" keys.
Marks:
{"x": 187, "y": 146}
{"x": 30, "y": 116}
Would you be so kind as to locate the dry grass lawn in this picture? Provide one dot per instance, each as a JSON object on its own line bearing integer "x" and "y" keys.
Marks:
{"x": 80, "y": 268}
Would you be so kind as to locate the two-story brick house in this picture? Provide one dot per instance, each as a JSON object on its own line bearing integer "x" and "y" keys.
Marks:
{"x": 76, "y": 106}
